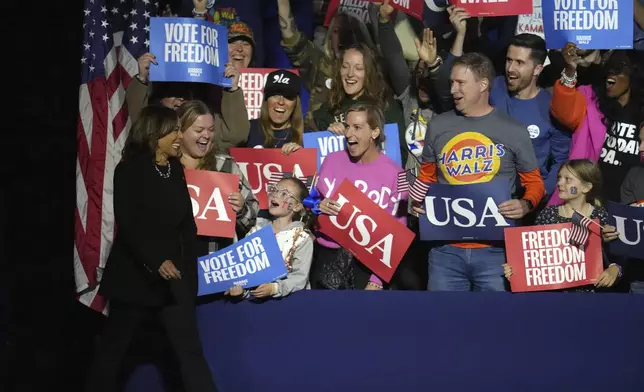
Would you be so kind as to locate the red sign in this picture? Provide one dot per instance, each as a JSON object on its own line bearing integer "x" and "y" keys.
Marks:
{"x": 542, "y": 259}
{"x": 258, "y": 164}
{"x": 209, "y": 192}
{"x": 494, "y": 7}
{"x": 252, "y": 82}
{"x": 360, "y": 8}
{"x": 374, "y": 237}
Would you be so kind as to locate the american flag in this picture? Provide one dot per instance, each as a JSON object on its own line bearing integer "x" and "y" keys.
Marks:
{"x": 115, "y": 35}
{"x": 277, "y": 177}
{"x": 579, "y": 231}
{"x": 409, "y": 182}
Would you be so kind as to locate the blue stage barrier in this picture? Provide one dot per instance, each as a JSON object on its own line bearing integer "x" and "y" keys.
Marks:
{"x": 418, "y": 341}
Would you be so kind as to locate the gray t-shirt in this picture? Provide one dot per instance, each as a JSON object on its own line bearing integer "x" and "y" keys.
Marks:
{"x": 633, "y": 186}
{"x": 469, "y": 150}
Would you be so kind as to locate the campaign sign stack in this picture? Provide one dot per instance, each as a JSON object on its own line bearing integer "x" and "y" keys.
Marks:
{"x": 188, "y": 50}
{"x": 255, "y": 260}
{"x": 326, "y": 142}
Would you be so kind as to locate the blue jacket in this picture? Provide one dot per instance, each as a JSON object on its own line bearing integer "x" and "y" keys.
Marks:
{"x": 551, "y": 144}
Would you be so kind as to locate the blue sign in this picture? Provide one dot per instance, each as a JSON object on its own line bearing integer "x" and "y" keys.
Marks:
{"x": 629, "y": 222}
{"x": 255, "y": 260}
{"x": 188, "y": 50}
{"x": 590, "y": 24}
{"x": 465, "y": 212}
{"x": 327, "y": 142}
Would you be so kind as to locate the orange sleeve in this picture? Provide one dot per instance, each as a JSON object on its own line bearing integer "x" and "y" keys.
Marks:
{"x": 428, "y": 172}
{"x": 535, "y": 189}
{"x": 568, "y": 105}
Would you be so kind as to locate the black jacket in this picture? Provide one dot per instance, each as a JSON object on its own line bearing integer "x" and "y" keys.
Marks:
{"x": 154, "y": 223}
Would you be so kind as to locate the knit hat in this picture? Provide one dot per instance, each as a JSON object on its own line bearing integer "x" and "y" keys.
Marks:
{"x": 240, "y": 30}
{"x": 284, "y": 83}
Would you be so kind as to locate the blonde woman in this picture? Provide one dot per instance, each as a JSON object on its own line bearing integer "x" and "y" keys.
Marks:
{"x": 198, "y": 151}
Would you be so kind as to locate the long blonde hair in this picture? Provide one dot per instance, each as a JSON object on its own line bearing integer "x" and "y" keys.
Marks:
{"x": 188, "y": 114}
{"x": 296, "y": 120}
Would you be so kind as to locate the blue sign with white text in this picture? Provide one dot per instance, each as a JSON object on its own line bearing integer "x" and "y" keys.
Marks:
{"x": 465, "y": 212}
{"x": 629, "y": 222}
{"x": 590, "y": 24}
{"x": 255, "y": 260}
{"x": 188, "y": 50}
{"x": 326, "y": 142}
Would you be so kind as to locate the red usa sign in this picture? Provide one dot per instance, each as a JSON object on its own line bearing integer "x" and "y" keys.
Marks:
{"x": 542, "y": 259}
{"x": 252, "y": 82}
{"x": 374, "y": 237}
{"x": 258, "y": 164}
{"x": 209, "y": 192}
{"x": 494, "y": 7}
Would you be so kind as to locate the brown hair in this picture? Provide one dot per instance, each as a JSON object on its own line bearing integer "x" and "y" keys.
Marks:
{"x": 587, "y": 171}
{"x": 188, "y": 114}
{"x": 154, "y": 122}
{"x": 375, "y": 119}
{"x": 375, "y": 91}
{"x": 297, "y": 123}
{"x": 480, "y": 65}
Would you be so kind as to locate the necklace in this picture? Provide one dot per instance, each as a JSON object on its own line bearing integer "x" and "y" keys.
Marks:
{"x": 164, "y": 175}
{"x": 281, "y": 139}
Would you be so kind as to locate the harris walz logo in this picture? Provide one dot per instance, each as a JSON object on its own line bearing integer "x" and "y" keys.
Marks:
{"x": 470, "y": 158}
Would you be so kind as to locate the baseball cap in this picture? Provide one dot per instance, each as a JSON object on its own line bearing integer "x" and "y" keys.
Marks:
{"x": 240, "y": 30}
{"x": 284, "y": 83}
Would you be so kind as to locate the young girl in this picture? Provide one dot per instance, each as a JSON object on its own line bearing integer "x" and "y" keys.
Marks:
{"x": 579, "y": 187}
{"x": 293, "y": 237}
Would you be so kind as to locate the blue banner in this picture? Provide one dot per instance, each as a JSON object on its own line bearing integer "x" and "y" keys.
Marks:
{"x": 327, "y": 142}
{"x": 629, "y": 221}
{"x": 590, "y": 24}
{"x": 188, "y": 50}
{"x": 465, "y": 212}
{"x": 255, "y": 260}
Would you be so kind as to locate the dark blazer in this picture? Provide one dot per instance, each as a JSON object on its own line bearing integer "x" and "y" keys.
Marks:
{"x": 154, "y": 223}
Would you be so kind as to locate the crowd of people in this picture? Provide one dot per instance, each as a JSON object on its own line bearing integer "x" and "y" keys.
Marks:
{"x": 564, "y": 128}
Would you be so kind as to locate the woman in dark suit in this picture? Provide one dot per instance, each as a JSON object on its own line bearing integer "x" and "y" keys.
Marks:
{"x": 152, "y": 269}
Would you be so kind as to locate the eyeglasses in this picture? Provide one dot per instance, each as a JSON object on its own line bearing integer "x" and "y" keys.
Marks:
{"x": 280, "y": 193}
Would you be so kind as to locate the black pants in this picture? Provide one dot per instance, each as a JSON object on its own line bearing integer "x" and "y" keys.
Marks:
{"x": 180, "y": 324}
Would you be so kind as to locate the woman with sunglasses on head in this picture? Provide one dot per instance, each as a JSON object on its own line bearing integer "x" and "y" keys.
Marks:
{"x": 151, "y": 272}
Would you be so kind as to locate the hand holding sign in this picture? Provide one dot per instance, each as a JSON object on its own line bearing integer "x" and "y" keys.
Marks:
{"x": 330, "y": 207}
{"x": 231, "y": 72}
{"x": 458, "y": 17}
{"x": 338, "y": 128}
{"x": 514, "y": 209}
{"x": 144, "y": 66}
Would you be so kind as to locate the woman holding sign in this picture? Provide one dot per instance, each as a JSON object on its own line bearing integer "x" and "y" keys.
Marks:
{"x": 151, "y": 273}
{"x": 199, "y": 152}
{"x": 375, "y": 174}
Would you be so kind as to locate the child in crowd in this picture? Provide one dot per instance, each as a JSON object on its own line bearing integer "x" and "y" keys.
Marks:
{"x": 579, "y": 187}
{"x": 293, "y": 237}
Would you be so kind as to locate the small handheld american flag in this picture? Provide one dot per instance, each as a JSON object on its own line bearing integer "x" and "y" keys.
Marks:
{"x": 408, "y": 182}
{"x": 277, "y": 177}
{"x": 579, "y": 231}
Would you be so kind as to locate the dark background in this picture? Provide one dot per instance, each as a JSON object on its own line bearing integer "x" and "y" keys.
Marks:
{"x": 46, "y": 335}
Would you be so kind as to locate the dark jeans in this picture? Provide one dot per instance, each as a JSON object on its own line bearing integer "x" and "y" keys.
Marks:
{"x": 180, "y": 324}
